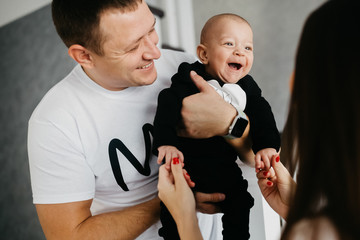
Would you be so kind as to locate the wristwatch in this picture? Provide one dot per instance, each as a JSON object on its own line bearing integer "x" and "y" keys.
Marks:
{"x": 238, "y": 126}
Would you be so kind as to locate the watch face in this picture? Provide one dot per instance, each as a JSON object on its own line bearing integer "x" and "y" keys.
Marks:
{"x": 239, "y": 127}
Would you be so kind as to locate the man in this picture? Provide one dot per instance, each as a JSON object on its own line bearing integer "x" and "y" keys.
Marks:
{"x": 89, "y": 143}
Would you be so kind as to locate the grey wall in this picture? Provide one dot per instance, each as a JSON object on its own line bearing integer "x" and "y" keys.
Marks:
{"x": 33, "y": 59}
{"x": 277, "y": 25}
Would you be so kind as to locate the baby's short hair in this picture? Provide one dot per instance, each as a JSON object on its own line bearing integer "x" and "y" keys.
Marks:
{"x": 209, "y": 23}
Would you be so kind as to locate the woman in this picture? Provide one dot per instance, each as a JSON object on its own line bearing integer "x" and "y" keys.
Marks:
{"x": 323, "y": 128}
{"x": 321, "y": 138}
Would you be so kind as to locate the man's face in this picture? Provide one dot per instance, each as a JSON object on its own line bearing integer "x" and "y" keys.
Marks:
{"x": 129, "y": 49}
{"x": 230, "y": 50}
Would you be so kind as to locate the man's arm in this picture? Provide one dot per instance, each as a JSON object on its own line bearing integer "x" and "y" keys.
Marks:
{"x": 206, "y": 114}
{"x": 74, "y": 220}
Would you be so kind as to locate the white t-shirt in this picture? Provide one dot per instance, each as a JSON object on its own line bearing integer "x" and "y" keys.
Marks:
{"x": 79, "y": 130}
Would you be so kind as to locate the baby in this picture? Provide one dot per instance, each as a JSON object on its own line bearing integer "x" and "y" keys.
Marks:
{"x": 226, "y": 55}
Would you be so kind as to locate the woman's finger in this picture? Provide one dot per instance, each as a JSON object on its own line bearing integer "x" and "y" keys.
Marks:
{"x": 177, "y": 171}
{"x": 188, "y": 179}
{"x": 165, "y": 181}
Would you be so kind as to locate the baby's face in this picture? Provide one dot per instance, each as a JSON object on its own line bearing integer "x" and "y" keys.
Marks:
{"x": 229, "y": 50}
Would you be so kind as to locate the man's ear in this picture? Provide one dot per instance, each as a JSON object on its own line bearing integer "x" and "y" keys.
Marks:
{"x": 202, "y": 53}
{"x": 81, "y": 55}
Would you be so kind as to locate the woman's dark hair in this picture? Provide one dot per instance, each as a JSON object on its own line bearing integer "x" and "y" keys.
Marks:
{"x": 322, "y": 134}
{"x": 77, "y": 21}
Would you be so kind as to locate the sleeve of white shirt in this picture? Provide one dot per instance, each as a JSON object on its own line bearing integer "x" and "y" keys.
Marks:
{"x": 59, "y": 172}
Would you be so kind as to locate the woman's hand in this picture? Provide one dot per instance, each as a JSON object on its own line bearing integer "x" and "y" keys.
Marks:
{"x": 277, "y": 186}
{"x": 176, "y": 194}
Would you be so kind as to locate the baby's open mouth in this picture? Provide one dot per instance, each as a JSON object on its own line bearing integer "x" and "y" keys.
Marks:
{"x": 236, "y": 66}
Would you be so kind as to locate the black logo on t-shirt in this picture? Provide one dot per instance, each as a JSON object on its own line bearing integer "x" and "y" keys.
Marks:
{"x": 118, "y": 144}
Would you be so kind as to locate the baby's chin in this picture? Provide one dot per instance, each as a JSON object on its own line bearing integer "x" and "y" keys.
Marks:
{"x": 234, "y": 78}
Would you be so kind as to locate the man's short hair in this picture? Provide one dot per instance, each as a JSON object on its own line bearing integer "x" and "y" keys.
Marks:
{"x": 78, "y": 21}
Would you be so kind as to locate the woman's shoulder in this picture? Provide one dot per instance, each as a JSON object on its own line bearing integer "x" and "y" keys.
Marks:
{"x": 319, "y": 228}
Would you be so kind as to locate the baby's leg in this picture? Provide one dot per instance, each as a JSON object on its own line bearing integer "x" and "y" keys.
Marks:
{"x": 237, "y": 204}
{"x": 236, "y": 209}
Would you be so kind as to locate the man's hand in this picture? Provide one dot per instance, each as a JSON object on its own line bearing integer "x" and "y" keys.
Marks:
{"x": 205, "y": 114}
{"x": 205, "y": 202}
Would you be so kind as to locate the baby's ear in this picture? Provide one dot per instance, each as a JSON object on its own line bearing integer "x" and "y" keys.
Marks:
{"x": 202, "y": 53}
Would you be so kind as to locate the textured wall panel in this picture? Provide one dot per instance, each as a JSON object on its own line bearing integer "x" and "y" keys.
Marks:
{"x": 33, "y": 59}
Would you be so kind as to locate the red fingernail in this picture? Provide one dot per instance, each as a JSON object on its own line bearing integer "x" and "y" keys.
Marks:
{"x": 269, "y": 183}
{"x": 277, "y": 159}
{"x": 175, "y": 160}
{"x": 265, "y": 173}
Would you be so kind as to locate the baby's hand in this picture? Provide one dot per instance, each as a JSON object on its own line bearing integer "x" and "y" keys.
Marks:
{"x": 262, "y": 159}
{"x": 169, "y": 153}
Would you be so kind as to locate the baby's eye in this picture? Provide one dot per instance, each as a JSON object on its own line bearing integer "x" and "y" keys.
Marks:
{"x": 248, "y": 48}
{"x": 229, "y": 44}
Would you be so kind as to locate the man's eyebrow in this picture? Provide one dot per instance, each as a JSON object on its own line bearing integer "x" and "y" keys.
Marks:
{"x": 131, "y": 45}
{"x": 152, "y": 27}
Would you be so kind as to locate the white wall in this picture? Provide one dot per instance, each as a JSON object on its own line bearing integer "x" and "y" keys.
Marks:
{"x": 177, "y": 28}
{"x": 11, "y": 10}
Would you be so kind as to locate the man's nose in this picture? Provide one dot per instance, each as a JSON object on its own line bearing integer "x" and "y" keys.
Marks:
{"x": 151, "y": 50}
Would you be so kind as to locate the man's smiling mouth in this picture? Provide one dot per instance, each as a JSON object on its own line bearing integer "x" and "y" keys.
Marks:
{"x": 146, "y": 66}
